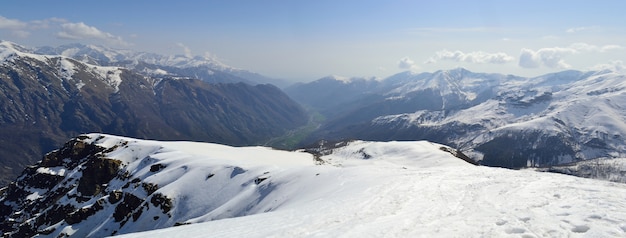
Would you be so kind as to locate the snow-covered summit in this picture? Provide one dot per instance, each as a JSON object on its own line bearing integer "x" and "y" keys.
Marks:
{"x": 136, "y": 185}
{"x": 108, "y": 56}
{"x": 398, "y": 189}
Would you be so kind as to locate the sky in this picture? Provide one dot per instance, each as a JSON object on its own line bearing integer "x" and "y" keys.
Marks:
{"x": 307, "y": 40}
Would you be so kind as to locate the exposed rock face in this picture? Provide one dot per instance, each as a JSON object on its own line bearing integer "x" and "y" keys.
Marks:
{"x": 45, "y": 100}
{"x": 72, "y": 184}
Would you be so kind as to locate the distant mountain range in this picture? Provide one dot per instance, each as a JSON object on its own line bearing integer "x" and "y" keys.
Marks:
{"x": 502, "y": 120}
{"x": 155, "y": 65}
{"x": 46, "y": 99}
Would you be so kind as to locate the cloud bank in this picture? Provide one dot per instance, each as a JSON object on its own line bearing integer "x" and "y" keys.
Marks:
{"x": 478, "y": 57}
{"x": 12, "y": 24}
{"x": 553, "y": 57}
{"x": 61, "y": 28}
{"x": 17, "y": 27}
{"x": 81, "y": 31}
{"x": 616, "y": 66}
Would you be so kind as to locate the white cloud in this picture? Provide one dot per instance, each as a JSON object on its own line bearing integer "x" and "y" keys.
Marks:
{"x": 616, "y": 65}
{"x": 549, "y": 57}
{"x": 11, "y": 24}
{"x": 81, "y": 31}
{"x": 595, "y": 48}
{"x": 576, "y": 29}
{"x": 406, "y": 63}
{"x": 46, "y": 23}
{"x": 554, "y": 57}
{"x": 17, "y": 27}
{"x": 185, "y": 49}
{"x": 583, "y": 29}
{"x": 479, "y": 57}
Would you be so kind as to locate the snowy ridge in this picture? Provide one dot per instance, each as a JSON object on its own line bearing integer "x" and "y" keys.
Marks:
{"x": 65, "y": 66}
{"x": 93, "y": 54}
{"x": 398, "y": 189}
{"x": 157, "y": 65}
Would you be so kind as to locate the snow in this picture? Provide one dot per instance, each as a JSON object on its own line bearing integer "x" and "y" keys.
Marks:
{"x": 580, "y": 106}
{"x": 36, "y": 194}
{"x": 156, "y": 71}
{"x": 60, "y": 171}
{"x": 365, "y": 189}
{"x": 7, "y": 52}
{"x": 10, "y": 50}
{"x": 65, "y": 67}
{"x": 110, "y": 75}
{"x": 438, "y": 202}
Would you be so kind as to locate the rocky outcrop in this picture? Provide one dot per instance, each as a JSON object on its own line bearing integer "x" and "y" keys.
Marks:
{"x": 72, "y": 184}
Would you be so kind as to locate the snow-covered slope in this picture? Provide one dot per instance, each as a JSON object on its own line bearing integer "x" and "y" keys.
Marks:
{"x": 65, "y": 66}
{"x": 100, "y": 185}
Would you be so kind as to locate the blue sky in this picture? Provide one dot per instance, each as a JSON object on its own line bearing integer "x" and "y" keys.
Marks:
{"x": 306, "y": 40}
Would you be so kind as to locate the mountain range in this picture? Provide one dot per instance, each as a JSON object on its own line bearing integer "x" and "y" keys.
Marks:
{"x": 47, "y": 99}
{"x": 396, "y": 156}
{"x": 500, "y": 120}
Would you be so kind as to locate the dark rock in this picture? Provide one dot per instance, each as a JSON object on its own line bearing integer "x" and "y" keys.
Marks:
{"x": 161, "y": 201}
{"x": 97, "y": 172}
{"x": 156, "y": 167}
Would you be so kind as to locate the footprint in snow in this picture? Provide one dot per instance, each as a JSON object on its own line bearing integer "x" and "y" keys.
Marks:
{"x": 515, "y": 230}
{"x": 580, "y": 228}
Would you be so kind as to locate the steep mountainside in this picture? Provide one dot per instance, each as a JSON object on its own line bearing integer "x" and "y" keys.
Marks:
{"x": 98, "y": 185}
{"x": 502, "y": 120}
{"x": 46, "y": 99}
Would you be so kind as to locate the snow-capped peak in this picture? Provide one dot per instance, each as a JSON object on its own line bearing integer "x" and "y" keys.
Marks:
{"x": 107, "y": 56}
{"x": 65, "y": 66}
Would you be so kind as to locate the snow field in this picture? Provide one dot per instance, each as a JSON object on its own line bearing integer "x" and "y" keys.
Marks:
{"x": 396, "y": 190}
